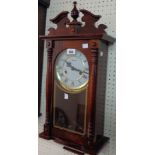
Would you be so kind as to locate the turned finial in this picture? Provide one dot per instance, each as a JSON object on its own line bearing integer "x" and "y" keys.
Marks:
{"x": 74, "y": 3}
{"x": 75, "y": 12}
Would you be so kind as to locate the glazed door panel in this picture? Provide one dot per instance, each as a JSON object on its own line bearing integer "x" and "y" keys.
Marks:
{"x": 70, "y": 110}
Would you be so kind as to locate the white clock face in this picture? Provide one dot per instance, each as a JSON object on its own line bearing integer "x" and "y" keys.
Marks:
{"x": 72, "y": 70}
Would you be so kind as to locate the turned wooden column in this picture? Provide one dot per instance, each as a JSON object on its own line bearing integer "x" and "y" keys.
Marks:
{"x": 49, "y": 85}
{"x": 93, "y": 81}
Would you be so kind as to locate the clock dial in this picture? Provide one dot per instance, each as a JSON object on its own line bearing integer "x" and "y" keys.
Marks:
{"x": 72, "y": 69}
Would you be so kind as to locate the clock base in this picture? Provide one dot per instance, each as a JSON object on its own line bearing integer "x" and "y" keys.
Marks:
{"x": 81, "y": 150}
{"x": 73, "y": 150}
{"x": 46, "y": 134}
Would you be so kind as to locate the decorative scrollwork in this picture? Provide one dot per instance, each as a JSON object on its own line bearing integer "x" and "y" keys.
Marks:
{"x": 74, "y": 26}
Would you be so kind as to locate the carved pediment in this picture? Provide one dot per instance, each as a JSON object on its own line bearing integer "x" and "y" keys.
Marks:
{"x": 74, "y": 27}
{"x": 90, "y": 19}
{"x": 61, "y": 21}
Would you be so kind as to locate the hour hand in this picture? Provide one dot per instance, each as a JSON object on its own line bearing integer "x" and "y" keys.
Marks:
{"x": 68, "y": 64}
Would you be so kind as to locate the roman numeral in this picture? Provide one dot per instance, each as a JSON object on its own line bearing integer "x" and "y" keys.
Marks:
{"x": 79, "y": 81}
{"x": 61, "y": 74}
{"x": 66, "y": 80}
{"x": 84, "y": 76}
{"x": 85, "y": 61}
{"x": 72, "y": 83}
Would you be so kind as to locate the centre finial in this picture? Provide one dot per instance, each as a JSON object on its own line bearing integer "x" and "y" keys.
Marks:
{"x": 75, "y": 12}
{"x": 74, "y": 3}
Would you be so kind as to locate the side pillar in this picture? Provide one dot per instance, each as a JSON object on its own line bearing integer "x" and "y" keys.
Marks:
{"x": 47, "y": 133}
{"x": 92, "y": 84}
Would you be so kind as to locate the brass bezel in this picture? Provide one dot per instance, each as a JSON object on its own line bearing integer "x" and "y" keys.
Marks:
{"x": 66, "y": 88}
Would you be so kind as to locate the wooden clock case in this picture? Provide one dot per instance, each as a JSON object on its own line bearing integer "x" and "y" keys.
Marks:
{"x": 72, "y": 34}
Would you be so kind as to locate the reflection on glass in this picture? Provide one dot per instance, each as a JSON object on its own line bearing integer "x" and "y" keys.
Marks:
{"x": 70, "y": 113}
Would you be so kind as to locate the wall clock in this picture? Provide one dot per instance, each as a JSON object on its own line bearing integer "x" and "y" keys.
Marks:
{"x": 76, "y": 82}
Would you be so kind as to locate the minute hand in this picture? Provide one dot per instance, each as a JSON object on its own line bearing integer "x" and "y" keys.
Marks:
{"x": 73, "y": 68}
